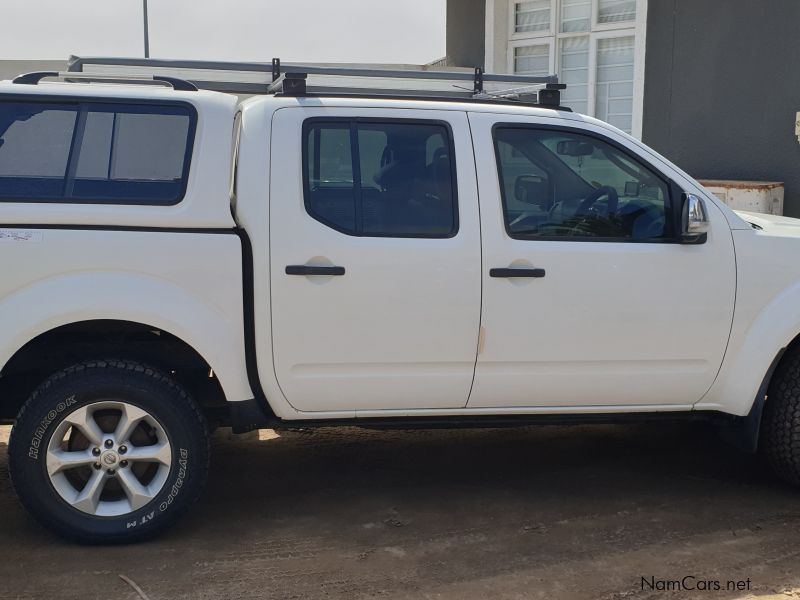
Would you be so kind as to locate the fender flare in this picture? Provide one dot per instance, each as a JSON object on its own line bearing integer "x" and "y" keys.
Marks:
{"x": 134, "y": 297}
{"x": 753, "y": 354}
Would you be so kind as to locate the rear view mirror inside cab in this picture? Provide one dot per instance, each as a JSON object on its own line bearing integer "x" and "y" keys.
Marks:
{"x": 574, "y": 148}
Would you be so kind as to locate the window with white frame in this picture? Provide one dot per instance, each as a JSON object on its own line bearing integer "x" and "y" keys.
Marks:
{"x": 590, "y": 44}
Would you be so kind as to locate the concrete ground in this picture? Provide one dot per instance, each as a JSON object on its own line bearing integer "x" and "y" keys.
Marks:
{"x": 551, "y": 513}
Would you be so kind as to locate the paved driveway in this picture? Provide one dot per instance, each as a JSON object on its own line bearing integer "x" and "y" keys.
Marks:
{"x": 555, "y": 513}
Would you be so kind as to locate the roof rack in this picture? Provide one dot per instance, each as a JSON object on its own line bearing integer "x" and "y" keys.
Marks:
{"x": 303, "y": 79}
{"x": 35, "y": 77}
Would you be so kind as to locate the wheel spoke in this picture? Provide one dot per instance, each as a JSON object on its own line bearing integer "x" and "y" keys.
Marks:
{"x": 137, "y": 494}
{"x": 108, "y": 456}
{"x": 128, "y": 422}
{"x": 84, "y": 421}
{"x": 89, "y": 498}
{"x": 58, "y": 460}
{"x": 160, "y": 453}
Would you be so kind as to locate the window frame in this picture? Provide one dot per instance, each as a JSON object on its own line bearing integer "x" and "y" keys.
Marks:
{"x": 530, "y": 35}
{"x": 548, "y": 41}
{"x": 555, "y": 20}
{"x": 85, "y": 104}
{"x": 671, "y": 208}
{"x": 355, "y": 156}
{"x": 637, "y": 28}
{"x": 598, "y": 26}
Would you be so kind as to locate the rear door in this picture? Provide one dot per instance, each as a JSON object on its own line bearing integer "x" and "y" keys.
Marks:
{"x": 374, "y": 257}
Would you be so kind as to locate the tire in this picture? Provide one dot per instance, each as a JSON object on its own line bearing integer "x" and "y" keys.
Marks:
{"x": 108, "y": 452}
{"x": 780, "y": 425}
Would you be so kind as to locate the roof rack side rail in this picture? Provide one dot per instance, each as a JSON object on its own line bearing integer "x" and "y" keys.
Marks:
{"x": 35, "y": 77}
{"x": 466, "y": 76}
{"x": 298, "y": 79}
{"x": 294, "y": 83}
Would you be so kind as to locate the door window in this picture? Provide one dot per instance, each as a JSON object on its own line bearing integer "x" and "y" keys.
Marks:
{"x": 382, "y": 179}
{"x": 566, "y": 185}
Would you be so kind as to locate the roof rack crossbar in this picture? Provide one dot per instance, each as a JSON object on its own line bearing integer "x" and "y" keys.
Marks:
{"x": 36, "y": 77}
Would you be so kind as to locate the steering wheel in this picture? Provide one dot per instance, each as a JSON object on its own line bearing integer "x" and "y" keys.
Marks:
{"x": 586, "y": 205}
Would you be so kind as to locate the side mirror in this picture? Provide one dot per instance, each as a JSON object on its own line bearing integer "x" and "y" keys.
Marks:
{"x": 694, "y": 220}
{"x": 532, "y": 189}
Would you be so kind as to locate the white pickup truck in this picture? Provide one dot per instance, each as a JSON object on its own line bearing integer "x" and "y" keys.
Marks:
{"x": 176, "y": 259}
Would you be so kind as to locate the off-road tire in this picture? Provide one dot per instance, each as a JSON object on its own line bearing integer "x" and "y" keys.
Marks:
{"x": 85, "y": 384}
{"x": 780, "y": 425}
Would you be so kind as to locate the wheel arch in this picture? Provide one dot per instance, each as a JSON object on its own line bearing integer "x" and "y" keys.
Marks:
{"x": 70, "y": 343}
{"x": 755, "y": 343}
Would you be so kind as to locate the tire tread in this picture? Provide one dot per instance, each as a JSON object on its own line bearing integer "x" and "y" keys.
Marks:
{"x": 780, "y": 428}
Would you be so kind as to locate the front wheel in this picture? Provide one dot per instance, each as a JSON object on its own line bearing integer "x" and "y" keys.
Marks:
{"x": 780, "y": 425}
{"x": 108, "y": 452}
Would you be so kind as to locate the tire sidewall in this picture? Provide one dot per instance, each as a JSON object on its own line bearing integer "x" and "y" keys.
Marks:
{"x": 48, "y": 409}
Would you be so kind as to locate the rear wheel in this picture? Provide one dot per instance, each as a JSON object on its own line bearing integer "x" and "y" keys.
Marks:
{"x": 108, "y": 452}
{"x": 780, "y": 426}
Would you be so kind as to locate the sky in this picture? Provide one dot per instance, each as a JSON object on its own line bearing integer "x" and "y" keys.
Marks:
{"x": 396, "y": 31}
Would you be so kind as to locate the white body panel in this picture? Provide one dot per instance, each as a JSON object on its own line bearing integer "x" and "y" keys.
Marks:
{"x": 767, "y": 315}
{"x": 60, "y": 277}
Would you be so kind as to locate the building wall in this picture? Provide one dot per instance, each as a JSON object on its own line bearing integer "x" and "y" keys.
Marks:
{"x": 722, "y": 89}
{"x": 465, "y": 33}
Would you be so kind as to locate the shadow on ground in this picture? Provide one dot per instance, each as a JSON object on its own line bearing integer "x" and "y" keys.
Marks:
{"x": 579, "y": 512}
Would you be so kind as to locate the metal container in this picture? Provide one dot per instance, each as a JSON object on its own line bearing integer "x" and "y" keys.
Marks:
{"x": 753, "y": 196}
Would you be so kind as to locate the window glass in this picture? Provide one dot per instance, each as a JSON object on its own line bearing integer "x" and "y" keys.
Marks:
{"x": 614, "y": 88}
{"x": 568, "y": 185}
{"x": 94, "y": 152}
{"x": 575, "y": 43}
{"x": 576, "y": 15}
{"x": 149, "y": 147}
{"x": 616, "y": 11}
{"x": 575, "y": 72}
{"x": 396, "y": 180}
{"x": 329, "y": 173}
{"x": 532, "y": 60}
{"x": 532, "y": 16}
{"x": 34, "y": 149}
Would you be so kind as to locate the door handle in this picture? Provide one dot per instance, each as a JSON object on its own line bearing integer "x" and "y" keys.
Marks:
{"x": 306, "y": 270}
{"x": 506, "y": 273}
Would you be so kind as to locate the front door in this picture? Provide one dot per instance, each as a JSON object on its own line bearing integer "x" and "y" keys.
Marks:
{"x": 588, "y": 299}
{"x": 375, "y": 259}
